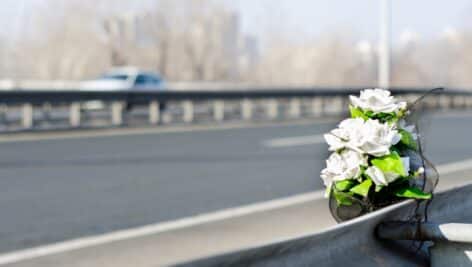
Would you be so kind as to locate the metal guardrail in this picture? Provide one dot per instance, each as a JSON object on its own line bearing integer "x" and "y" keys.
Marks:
{"x": 26, "y": 109}
{"x": 452, "y": 241}
{"x": 355, "y": 243}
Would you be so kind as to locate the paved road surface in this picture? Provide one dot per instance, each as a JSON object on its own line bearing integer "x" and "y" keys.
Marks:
{"x": 54, "y": 190}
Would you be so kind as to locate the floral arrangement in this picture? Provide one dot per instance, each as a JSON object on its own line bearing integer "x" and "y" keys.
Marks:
{"x": 375, "y": 158}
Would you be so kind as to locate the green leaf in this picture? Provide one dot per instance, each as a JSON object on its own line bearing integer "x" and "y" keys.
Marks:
{"x": 362, "y": 188}
{"x": 343, "y": 198}
{"x": 345, "y": 185}
{"x": 386, "y": 117}
{"x": 412, "y": 192}
{"x": 391, "y": 163}
{"x": 357, "y": 113}
{"x": 401, "y": 113}
{"x": 369, "y": 114}
{"x": 378, "y": 188}
{"x": 407, "y": 139}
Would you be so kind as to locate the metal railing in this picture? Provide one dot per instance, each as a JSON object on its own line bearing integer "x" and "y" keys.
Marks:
{"x": 358, "y": 242}
{"x": 32, "y": 109}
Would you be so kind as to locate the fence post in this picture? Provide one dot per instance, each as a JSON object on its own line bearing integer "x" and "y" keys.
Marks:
{"x": 219, "y": 110}
{"x": 188, "y": 111}
{"x": 295, "y": 108}
{"x": 74, "y": 114}
{"x": 154, "y": 112}
{"x": 117, "y": 113}
{"x": 272, "y": 109}
{"x": 246, "y": 109}
{"x": 450, "y": 101}
{"x": 468, "y": 101}
{"x": 27, "y": 116}
{"x": 446, "y": 102}
{"x": 463, "y": 101}
{"x": 3, "y": 113}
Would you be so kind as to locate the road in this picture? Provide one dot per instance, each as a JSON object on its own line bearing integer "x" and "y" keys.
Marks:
{"x": 59, "y": 189}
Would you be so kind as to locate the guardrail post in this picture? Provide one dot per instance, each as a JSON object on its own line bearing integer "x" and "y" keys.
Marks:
{"x": 463, "y": 101}
{"x": 453, "y": 102}
{"x": 27, "y": 116}
{"x": 468, "y": 101}
{"x": 74, "y": 114}
{"x": 188, "y": 111}
{"x": 246, "y": 109}
{"x": 117, "y": 113}
{"x": 272, "y": 109}
{"x": 295, "y": 108}
{"x": 154, "y": 112}
{"x": 218, "y": 110}
{"x": 317, "y": 106}
{"x": 3, "y": 113}
{"x": 444, "y": 101}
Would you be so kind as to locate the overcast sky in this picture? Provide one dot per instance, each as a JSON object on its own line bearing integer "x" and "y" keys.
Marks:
{"x": 427, "y": 17}
{"x": 311, "y": 17}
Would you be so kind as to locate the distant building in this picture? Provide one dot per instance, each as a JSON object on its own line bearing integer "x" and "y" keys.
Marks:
{"x": 216, "y": 40}
{"x": 248, "y": 51}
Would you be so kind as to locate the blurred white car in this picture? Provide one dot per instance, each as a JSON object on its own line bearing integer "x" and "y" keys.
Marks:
{"x": 124, "y": 78}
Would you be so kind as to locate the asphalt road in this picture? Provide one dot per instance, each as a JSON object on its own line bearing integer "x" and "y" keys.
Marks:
{"x": 55, "y": 190}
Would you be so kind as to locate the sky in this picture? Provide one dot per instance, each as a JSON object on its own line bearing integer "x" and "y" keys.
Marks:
{"x": 309, "y": 18}
{"x": 428, "y": 18}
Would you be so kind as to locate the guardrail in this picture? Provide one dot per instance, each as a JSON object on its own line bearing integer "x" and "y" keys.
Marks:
{"x": 32, "y": 109}
{"x": 355, "y": 243}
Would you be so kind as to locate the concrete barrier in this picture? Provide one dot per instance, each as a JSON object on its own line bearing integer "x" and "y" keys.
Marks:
{"x": 354, "y": 243}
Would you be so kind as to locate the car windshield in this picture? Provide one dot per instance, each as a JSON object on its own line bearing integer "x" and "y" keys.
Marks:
{"x": 120, "y": 77}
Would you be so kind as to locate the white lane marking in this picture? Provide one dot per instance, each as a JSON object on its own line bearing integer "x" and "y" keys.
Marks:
{"x": 294, "y": 141}
{"x": 225, "y": 214}
{"x": 75, "y": 244}
{"x": 455, "y": 166}
{"x": 74, "y": 134}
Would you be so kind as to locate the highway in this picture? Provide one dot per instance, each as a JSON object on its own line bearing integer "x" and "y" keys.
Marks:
{"x": 66, "y": 187}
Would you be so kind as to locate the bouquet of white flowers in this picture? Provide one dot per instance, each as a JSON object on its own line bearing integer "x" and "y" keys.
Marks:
{"x": 376, "y": 159}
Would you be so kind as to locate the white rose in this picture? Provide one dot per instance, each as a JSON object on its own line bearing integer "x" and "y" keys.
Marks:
{"x": 343, "y": 166}
{"x": 377, "y": 100}
{"x": 376, "y": 175}
{"x": 349, "y": 131}
{"x": 369, "y": 137}
{"x": 378, "y": 138}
